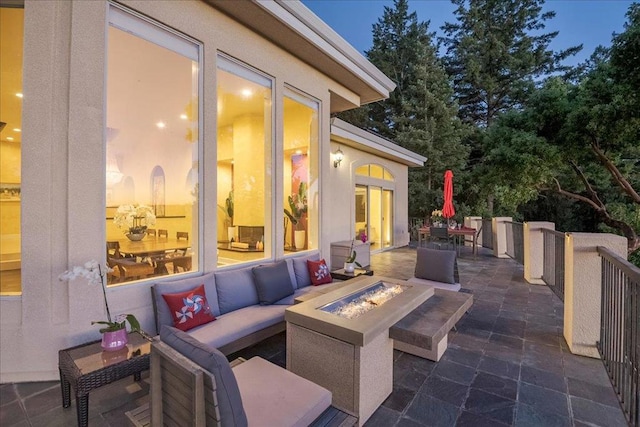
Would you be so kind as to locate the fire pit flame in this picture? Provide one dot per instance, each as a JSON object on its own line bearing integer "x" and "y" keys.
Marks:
{"x": 355, "y": 305}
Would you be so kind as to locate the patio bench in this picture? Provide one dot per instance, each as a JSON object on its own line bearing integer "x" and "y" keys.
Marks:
{"x": 423, "y": 332}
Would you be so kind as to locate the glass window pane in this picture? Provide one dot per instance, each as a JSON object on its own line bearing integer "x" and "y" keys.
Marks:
{"x": 11, "y": 46}
{"x": 151, "y": 157}
{"x": 244, "y": 164}
{"x": 387, "y": 175}
{"x": 300, "y": 174}
{"x": 376, "y": 171}
{"x": 363, "y": 170}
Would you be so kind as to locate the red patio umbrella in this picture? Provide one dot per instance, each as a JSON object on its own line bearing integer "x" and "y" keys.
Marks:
{"x": 448, "y": 210}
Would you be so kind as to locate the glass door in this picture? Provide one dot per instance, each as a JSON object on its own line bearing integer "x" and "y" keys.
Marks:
{"x": 387, "y": 219}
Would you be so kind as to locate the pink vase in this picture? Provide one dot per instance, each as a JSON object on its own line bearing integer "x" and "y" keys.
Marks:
{"x": 114, "y": 341}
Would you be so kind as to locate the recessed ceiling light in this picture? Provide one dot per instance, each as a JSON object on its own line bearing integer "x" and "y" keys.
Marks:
{"x": 183, "y": 116}
{"x": 161, "y": 125}
{"x": 17, "y": 130}
{"x": 19, "y": 95}
{"x": 246, "y": 93}
{"x": 9, "y": 138}
{"x": 298, "y": 151}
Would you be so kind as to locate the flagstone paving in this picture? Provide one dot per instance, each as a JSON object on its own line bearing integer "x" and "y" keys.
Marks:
{"x": 507, "y": 365}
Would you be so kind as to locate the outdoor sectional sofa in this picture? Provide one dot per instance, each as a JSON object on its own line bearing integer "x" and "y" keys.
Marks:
{"x": 248, "y": 303}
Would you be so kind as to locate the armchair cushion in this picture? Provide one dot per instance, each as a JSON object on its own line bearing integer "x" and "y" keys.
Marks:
{"x": 301, "y": 271}
{"x": 236, "y": 289}
{"x": 432, "y": 264}
{"x": 210, "y": 359}
{"x": 272, "y": 282}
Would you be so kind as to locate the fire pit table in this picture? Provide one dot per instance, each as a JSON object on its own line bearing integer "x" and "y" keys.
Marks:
{"x": 340, "y": 340}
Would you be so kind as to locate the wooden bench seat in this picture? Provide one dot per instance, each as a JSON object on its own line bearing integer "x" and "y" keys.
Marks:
{"x": 423, "y": 332}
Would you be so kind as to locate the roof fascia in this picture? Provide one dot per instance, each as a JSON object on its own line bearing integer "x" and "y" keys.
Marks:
{"x": 358, "y": 138}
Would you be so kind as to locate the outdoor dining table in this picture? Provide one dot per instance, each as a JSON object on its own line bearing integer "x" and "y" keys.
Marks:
{"x": 424, "y": 232}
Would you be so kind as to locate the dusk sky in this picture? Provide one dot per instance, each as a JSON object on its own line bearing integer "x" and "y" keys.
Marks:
{"x": 587, "y": 22}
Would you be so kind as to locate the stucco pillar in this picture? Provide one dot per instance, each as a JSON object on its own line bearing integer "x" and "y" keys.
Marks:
{"x": 473, "y": 222}
{"x": 534, "y": 250}
{"x": 582, "y": 283}
{"x": 500, "y": 236}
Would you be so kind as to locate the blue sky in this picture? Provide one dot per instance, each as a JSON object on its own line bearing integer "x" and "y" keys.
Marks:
{"x": 587, "y": 22}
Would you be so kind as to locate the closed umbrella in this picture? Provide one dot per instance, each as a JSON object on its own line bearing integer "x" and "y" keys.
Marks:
{"x": 448, "y": 210}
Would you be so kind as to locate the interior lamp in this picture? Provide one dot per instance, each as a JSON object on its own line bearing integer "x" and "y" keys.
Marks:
{"x": 337, "y": 158}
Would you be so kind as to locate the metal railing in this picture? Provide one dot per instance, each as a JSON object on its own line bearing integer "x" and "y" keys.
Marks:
{"x": 414, "y": 225}
{"x": 619, "y": 344}
{"x": 487, "y": 233}
{"x": 515, "y": 240}
{"x": 553, "y": 264}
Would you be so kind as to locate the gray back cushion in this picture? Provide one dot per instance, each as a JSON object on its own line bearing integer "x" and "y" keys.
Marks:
{"x": 439, "y": 266}
{"x": 161, "y": 309}
{"x": 210, "y": 359}
{"x": 301, "y": 271}
{"x": 272, "y": 282}
{"x": 236, "y": 289}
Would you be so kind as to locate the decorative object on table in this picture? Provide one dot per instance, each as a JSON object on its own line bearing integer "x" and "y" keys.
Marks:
{"x": 134, "y": 220}
{"x": 448, "y": 211}
{"x": 297, "y": 209}
{"x": 436, "y": 218}
{"x": 114, "y": 334}
{"x": 350, "y": 263}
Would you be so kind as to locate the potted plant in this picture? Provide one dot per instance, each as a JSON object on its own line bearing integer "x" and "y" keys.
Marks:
{"x": 114, "y": 334}
{"x": 297, "y": 208}
{"x": 228, "y": 209}
{"x": 350, "y": 262}
{"x": 134, "y": 220}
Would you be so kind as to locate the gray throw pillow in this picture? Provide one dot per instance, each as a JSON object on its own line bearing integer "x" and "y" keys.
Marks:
{"x": 236, "y": 289}
{"x": 301, "y": 271}
{"x": 210, "y": 359}
{"x": 161, "y": 310}
{"x": 439, "y": 266}
{"x": 272, "y": 282}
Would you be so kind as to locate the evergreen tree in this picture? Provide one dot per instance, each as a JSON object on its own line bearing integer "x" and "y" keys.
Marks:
{"x": 496, "y": 53}
{"x": 420, "y": 113}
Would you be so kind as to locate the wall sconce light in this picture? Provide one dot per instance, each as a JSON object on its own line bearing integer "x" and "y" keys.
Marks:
{"x": 337, "y": 158}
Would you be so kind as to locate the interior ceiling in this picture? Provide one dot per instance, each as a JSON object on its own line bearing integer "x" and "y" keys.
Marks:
{"x": 11, "y": 41}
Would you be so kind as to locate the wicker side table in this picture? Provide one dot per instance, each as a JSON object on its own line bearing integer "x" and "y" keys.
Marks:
{"x": 86, "y": 367}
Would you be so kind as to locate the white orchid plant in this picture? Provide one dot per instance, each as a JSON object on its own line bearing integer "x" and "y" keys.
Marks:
{"x": 95, "y": 274}
{"x": 134, "y": 219}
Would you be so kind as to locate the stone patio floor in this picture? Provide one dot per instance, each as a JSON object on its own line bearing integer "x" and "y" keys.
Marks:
{"x": 507, "y": 365}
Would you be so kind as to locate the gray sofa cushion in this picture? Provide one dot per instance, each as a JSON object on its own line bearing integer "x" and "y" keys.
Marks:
{"x": 161, "y": 309}
{"x": 210, "y": 359}
{"x": 272, "y": 282}
{"x": 236, "y": 289}
{"x": 238, "y": 324}
{"x": 301, "y": 271}
{"x": 432, "y": 264}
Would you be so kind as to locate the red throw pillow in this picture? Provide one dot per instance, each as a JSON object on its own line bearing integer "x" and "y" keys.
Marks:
{"x": 189, "y": 309}
{"x": 319, "y": 272}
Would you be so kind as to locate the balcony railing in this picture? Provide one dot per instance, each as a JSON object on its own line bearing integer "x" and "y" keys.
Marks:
{"x": 619, "y": 344}
{"x": 515, "y": 241}
{"x": 487, "y": 233}
{"x": 553, "y": 265}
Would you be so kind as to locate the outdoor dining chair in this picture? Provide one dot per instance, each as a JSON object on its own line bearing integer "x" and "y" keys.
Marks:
{"x": 439, "y": 237}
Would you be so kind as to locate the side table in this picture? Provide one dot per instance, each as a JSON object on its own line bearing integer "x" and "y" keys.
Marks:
{"x": 86, "y": 367}
{"x": 343, "y": 275}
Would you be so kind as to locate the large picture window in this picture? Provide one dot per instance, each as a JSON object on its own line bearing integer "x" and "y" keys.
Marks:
{"x": 11, "y": 47}
{"x": 152, "y": 149}
{"x": 300, "y": 172}
{"x": 244, "y": 179}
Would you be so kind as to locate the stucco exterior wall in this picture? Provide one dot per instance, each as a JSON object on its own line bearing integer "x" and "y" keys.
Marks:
{"x": 341, "y": 195}
{"x": 63, "y": 188}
